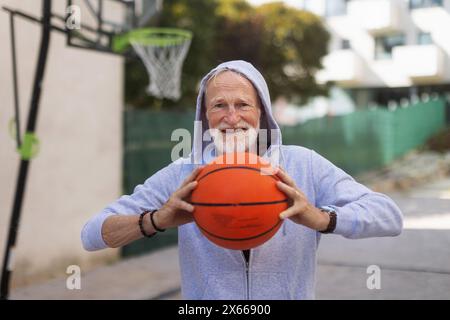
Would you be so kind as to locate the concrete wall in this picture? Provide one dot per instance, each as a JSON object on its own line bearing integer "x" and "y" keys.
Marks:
{"x": 78, "y": 169}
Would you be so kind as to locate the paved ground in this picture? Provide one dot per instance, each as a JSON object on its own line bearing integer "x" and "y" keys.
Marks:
{"x": 145, "y": 277}
{"x": 415, "y": 265}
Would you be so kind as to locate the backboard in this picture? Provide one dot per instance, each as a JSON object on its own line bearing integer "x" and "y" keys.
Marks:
{"x": 92, "y": 24}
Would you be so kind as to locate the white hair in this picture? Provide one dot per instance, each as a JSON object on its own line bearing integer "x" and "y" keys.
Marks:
{"x": 219, "y": 71}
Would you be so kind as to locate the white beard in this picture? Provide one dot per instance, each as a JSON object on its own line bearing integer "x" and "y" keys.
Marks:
{"x": 235, "y": 141}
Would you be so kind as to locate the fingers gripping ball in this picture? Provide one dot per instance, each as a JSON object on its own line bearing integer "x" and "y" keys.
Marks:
{"x": 237, "y": 203}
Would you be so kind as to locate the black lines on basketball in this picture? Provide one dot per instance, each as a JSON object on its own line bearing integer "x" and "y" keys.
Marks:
{"x": 235, "y": 167}
{"x": 243, "y": 204}
{"x": 239, "y": 239}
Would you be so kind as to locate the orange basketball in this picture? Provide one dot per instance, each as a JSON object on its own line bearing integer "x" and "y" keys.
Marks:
{"x": 236, "y": 205}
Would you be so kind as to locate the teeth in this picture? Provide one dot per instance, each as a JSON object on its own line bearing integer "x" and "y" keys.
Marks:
{"x": 233, "y": 130}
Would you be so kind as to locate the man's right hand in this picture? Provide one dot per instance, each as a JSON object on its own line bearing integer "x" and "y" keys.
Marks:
{"x": 177, "y": 211}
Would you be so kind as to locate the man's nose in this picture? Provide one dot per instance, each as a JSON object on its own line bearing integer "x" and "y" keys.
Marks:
{"x": 233, "y": 117}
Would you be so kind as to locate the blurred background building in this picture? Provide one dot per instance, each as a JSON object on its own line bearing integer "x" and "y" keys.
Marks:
{"x": 381, "y": 53}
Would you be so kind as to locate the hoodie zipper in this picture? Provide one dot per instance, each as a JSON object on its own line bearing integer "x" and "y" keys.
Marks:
{"x": 247, "y": 263}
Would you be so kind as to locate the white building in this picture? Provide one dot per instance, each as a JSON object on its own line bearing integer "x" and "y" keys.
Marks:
{"x": 381, "y": 52}
{"x": 386, "y": 50}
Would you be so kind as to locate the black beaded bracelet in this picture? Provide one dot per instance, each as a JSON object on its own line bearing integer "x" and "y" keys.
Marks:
{"x": 141, "y": 226}
{"x": 153, "y": 222}
{"x": 332, "y": 224}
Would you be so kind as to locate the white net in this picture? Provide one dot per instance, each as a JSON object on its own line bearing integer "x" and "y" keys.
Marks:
{"x": 164, "y": 64}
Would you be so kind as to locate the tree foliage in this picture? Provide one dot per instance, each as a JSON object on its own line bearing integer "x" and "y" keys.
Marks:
{"x": 294, "y": 41}
{"x": 284, "y": 43}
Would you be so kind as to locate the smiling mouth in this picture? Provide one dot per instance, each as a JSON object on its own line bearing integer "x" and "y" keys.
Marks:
{"x": 233, "y": 130}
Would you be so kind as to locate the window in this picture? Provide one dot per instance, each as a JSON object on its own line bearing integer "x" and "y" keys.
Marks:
{"x": 345, "y": 44}
{"x": 336, "y": 8}
{"x": 416, "y": 4}
{"x": 424, "y": 38}
{"x": 384, "y": 45}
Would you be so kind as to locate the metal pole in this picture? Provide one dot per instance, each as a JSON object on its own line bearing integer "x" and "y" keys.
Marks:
{"x": 24, "y": 163}
{"x": 15, "y": 84}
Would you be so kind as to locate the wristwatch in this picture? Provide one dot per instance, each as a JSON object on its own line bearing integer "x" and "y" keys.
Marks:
{"x": 333, "y": 219}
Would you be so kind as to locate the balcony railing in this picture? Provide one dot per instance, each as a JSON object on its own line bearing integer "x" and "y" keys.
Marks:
{"x": 376, "y": 15}
{"x": 341, "y": 66}
{"x": 420, "y": 62}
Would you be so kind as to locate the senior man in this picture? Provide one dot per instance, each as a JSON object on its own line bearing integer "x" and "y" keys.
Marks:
{"x": 234, "y": 104}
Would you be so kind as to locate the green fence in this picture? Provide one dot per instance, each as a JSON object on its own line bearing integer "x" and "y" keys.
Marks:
{"x": 369, "y": 139}
{"x": 355, "y": 142}
{"x": 148, "y": 148}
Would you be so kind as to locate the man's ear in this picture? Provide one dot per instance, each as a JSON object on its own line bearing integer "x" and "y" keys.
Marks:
{"x": 262, "y": 114}
{"x": 261, "y": 106}
{"x": 205, "y": 114}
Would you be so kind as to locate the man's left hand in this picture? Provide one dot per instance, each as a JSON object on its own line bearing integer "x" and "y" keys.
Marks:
{"x": 300, "y": 211}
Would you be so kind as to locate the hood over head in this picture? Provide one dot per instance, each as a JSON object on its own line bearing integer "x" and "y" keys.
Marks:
{"x": 200, "y": 143}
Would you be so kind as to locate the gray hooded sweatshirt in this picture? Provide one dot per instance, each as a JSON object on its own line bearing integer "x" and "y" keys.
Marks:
{"x": 284, "y": 267}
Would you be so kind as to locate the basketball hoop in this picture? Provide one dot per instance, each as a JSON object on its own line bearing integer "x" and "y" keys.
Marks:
{"x": 162, "y": 51}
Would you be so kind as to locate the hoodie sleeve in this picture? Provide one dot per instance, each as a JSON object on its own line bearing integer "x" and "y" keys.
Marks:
{"x": 361, "y": 212}
{"x": 148, "y": 196}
